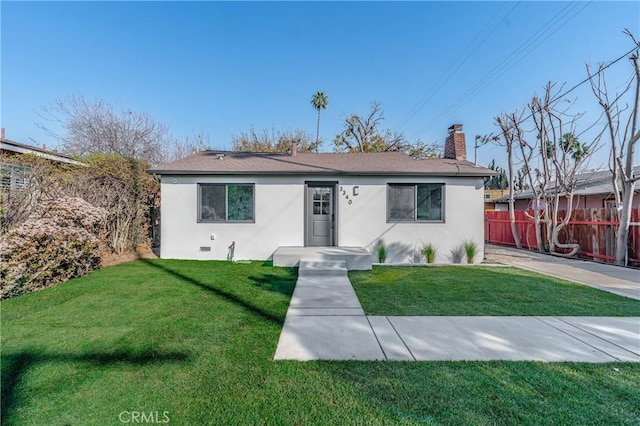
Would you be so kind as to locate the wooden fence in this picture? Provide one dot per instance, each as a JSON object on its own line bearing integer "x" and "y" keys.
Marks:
{"x": 594, "y": 229}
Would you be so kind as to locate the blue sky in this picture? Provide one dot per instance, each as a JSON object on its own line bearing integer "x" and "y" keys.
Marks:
{"x": 219, "y": 67}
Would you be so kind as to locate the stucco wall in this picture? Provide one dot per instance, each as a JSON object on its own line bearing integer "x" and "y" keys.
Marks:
{"x": 279, "y": 218}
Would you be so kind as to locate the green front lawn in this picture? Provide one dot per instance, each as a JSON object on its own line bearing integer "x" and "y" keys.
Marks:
{"x": 196, "y": 339}
{"x": 470, "y": 291}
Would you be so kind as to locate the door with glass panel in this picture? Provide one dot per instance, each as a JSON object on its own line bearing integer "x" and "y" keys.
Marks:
{"x": 320, "y": 215}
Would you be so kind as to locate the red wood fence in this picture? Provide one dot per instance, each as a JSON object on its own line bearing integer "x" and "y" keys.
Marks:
{"x": 594, "y": 229}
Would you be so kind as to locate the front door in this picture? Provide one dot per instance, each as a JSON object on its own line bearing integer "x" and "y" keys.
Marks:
{"x": 320, "y": 215}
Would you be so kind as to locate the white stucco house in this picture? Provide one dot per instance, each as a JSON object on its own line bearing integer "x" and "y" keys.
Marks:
{"x": 258, "y": 202}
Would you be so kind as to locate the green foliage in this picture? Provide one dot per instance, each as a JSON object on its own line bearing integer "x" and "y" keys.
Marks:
{"x": 319, "y": 101}
{"x": 429, "y": 251}
{"x": 470, "y": 250}
{"x": 381, "y": 250}
{"x": 500, "y": 181}
{"x": 60, "y": 242}
{"x": 197, "y": 339}
{"x": 480, "y": 290}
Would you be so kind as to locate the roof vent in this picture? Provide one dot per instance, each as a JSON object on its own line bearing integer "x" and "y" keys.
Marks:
{"x": 220, "y": 156}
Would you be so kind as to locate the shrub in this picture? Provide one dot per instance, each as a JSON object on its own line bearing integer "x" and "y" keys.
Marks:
{"x": 470, "y": 250}
{"x": 382, "y": 253}
{"x": 429, "y": 251}
{"x": 60, "y": 242}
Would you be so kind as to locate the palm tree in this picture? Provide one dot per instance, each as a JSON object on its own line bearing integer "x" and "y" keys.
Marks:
{"x": 319, "y": 101}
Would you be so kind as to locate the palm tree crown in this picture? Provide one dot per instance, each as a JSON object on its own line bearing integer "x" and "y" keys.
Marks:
{"x": 319, "y": 101}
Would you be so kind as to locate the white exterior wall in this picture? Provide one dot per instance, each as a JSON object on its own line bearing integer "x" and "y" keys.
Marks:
{"x": 280, "y": 221}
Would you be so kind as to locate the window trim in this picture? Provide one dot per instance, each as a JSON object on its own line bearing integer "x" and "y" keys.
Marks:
{"x": 415, "y": 202}
{"x": 226, "y": 202}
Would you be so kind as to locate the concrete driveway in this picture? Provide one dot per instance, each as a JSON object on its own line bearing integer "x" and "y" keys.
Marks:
{"x": 614, "y": 279}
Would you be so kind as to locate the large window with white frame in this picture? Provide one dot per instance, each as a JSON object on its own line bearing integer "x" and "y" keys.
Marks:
{"x": 225, "y": 202}
{"x": 416, "y": 202}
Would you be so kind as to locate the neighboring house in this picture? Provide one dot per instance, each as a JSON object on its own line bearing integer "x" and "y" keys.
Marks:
{"x": 493, "y": 195}
{"x": 594, "y": 189}
{"x": 9, "y": 148}
{"x": 12, "y": 176}
{"x": 259, "y": 202}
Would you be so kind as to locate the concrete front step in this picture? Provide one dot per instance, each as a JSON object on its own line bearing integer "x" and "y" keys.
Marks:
{"x": 323, "y": 268}
{"x": 356, "y": 258}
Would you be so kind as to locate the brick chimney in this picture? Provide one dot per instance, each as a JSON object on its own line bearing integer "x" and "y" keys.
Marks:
{"x": 2, "y": 134}
{"x": 455, "y": 146}
{"x": 294, "y": 148}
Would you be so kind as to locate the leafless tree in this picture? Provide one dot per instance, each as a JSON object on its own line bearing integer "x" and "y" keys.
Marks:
{"x": 198, "y": 141}
{"x": 623, "y": 132}
{"x": 552, "y": 159}
{"x": 506, "y": 124}
{"x": 274, "y": 141}
{"x": 90, "y": 127}
{"x": 363, "y": 134}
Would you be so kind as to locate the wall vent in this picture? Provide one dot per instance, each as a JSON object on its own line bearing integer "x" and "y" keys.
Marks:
{"x": 205, "y": 248}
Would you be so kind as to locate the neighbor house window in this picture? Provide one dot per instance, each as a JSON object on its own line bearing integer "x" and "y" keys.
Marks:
{"x": 225, "y": 202}
{"x": 415, "y": 202}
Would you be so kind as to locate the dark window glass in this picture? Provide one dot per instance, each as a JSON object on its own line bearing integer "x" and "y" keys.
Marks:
{"x": 225, "y": 203}
{"x": 401, "y": 202}
{"x": 212, "y": 202}
{"x": 415, "y": 202}
{"x": 429, "y": 202}
{"x": 240, "y": 202}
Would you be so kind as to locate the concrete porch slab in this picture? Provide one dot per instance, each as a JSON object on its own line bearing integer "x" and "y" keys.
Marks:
{"x": 357, "y": 258}
{"x": 305, "y": 338}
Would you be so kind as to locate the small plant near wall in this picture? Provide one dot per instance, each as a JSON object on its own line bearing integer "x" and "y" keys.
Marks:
{"x": 382, "y": 253}
{"x": 470, "y": 250}
{"x": 429, "y": 251}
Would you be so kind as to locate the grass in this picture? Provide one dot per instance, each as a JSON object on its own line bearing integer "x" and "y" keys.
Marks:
{"x": 460, "y": 291}
{"x": 196, "y": 339}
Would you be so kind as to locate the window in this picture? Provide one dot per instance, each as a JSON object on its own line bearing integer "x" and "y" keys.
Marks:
{"x": 225, "y": 203}
{"x": 415, "y": 202}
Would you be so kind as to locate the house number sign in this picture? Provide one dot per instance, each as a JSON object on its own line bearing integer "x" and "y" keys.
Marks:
{"x": 345, "y": 195}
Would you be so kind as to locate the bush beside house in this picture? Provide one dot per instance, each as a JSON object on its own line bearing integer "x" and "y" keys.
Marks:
{"x": 61, "y": 241}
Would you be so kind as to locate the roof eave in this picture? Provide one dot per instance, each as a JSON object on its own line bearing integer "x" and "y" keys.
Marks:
{"x": 316, "y": 173}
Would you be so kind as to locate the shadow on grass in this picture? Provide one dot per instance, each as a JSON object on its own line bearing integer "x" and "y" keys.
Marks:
{"x": 276, "y": 283}
{"x": 15, "y": 366}
{"x": 225, "y": 294}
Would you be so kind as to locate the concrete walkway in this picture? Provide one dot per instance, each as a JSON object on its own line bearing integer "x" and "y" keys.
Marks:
{"x": 325, "y": 321}
{"x": 614, "y": 279}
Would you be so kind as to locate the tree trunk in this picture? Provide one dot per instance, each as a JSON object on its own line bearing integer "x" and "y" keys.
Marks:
{"x": 512, "y": 213}
{"x": 623, "y": 229}
{"x": 318, "y": 130}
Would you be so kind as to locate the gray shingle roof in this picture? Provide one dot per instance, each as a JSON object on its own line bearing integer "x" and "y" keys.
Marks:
{"x": 383, "y": 163}
{"x": 593, "y": 182}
